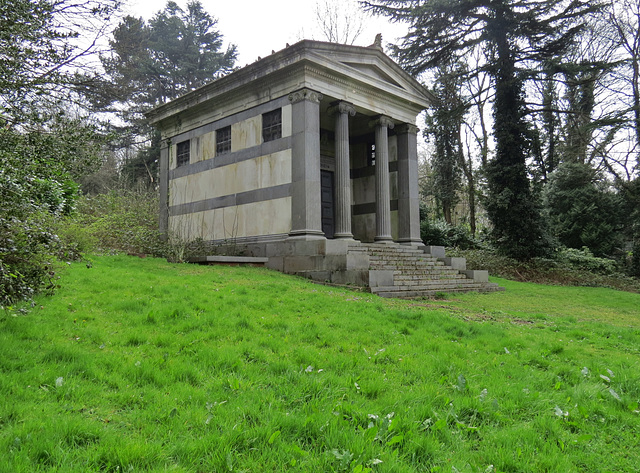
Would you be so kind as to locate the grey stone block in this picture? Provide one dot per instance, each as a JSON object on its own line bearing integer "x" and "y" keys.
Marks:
{"x": 307, "y": 247}
{"x": 358, "y": 261}
{"x": 296, "y": 264}
{"x": 334, "y": 263}
{"x": 276, "y": 249}
{"x": 276, "y": 263}
{"x": 477, "y": 275}
{"x": 356, "y": 278}
{"x": 338, "y": 247}
{"x": 319, "y": 276}
{"x": 435, "y": 251}
{"x": 455, "y": 262}
{"x": 380, "y": 278}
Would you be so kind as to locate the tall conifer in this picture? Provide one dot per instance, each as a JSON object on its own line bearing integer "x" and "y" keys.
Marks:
{"x": 514, "y": 35}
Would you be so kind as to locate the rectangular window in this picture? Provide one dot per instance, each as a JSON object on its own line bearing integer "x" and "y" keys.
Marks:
{"x": 223, "y": 140}
{"x": 272, "y": 125}
{"x": 183, "y": 153}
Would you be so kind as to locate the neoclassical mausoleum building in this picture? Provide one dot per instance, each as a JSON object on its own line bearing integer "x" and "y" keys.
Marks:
{"x": 306, "y": 158}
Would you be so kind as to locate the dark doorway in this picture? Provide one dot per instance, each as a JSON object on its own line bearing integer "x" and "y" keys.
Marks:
{"x": 326, "y": 191}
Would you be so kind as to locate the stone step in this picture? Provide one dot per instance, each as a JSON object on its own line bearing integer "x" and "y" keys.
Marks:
{"x": 423, "y": 271}
{"x": 418, "y": 274}
{"x": 416, "y": 260}
{"x": 429, "y": 275}
{"x": 430, "y": 284}
{"x": 374, "y": 260}
{"x": 410, "y": 268}
{"x": 414, "y": 294}
{"x": 444, "y": 285}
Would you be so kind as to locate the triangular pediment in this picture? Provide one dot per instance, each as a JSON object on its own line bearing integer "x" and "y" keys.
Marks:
{"x": 374, "y": 71}
{"x": 364, "y": 76}
{"x": 369, "y": 65}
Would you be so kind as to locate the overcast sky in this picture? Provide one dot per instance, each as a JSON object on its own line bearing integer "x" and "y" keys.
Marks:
{"x": 259, "y": 26}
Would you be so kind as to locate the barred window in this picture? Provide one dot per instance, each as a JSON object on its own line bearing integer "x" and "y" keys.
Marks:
{"x": 272, "y": 125}
{"x": 183, "y": 153}
{"x": 223, "y": 140}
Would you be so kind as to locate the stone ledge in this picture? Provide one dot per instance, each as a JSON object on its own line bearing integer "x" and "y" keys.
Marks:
{"x": 230, "y": 260}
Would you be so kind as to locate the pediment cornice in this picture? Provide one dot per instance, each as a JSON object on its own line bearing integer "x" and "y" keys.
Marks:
{"x": 362, "y": 71}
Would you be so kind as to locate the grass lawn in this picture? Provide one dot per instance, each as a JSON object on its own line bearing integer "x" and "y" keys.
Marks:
{"x": 139, "y": 365}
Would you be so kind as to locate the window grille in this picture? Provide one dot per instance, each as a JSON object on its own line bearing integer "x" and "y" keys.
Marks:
{"x": 223, "y": 140}
{"x": 272, "y": 125}
{"x": 183, "y": 153}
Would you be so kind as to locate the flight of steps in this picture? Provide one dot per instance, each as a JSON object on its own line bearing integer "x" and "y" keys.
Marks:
{"x": 408, "y": 272}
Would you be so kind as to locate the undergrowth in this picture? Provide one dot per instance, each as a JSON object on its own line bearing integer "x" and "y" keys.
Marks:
{"x": 569, "y": 267}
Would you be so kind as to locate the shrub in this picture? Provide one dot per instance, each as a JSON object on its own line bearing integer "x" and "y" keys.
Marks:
{"x": 27, "y": 242}
{"x": 584, "y": 259}
{"x": 440, "y": 233}
{"x": 568, "y": 267}
{"x": 634, "y": 267}
{"x": 26, "y": 257}
{"x": 124, "y": 220}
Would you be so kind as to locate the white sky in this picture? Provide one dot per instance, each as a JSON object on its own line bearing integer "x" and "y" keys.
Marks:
{"x": 259, "y": 26}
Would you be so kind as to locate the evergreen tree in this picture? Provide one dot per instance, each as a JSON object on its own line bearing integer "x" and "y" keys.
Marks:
{"x": 444, "y": 123}
{"x": 630, "y": 192}
{"x": 151, "y": 63}
{"x": 583, "y": 211}
{"x": 512, "y": 34}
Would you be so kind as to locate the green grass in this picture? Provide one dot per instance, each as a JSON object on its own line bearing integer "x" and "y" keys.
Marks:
{"x": 139, "y": 365}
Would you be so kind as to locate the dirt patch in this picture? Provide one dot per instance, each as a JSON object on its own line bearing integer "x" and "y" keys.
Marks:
{"x": 521, "y": 322}
{"x": 479, "y": 318}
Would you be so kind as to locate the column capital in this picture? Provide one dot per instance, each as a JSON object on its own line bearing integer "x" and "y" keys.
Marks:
{"x": 382, "y": 120}
{"x": 342, "y": 107}
{"x": 407, "y": 128}
{"x": 305, "y": 94}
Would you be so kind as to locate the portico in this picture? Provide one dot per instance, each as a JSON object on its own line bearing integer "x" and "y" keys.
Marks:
{"x": 348, "y": 154}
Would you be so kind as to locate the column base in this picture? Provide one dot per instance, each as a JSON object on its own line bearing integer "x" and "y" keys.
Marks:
{"x": 383, "y": 239}
{"x": 411, "y": 242}
{"x": 343, "y": 236}
{"x": 307, "y": 235}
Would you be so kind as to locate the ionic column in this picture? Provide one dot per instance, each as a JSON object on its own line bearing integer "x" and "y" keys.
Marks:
{"x": 342, "y": 110}
{"x": 306, "y": 207}
{"x": 408, "y": 195}
{"x": 383, "y": 196}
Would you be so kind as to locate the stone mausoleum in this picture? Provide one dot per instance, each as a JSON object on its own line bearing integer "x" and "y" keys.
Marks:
{"x": 307, "y": 161}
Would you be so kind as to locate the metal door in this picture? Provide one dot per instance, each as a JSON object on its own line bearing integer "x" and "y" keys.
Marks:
{"x": 326, "y": 189}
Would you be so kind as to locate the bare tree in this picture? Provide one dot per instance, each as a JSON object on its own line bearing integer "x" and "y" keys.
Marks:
{"x": 625, "y": 17}
{"x": 339, "y": 21}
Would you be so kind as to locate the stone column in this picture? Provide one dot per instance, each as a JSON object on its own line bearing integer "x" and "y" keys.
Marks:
{"x": 383, "y": 195}
{"x": 163, "y": 204}
{"x": 408, "y": 195}
{"x": 342, "y": 110}
{"x": 306, "y": 207}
